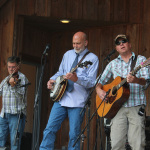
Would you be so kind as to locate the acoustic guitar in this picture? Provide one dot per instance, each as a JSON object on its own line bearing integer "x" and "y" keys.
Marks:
{"x": 60, "y": 84}
{"x": 118, "y": 93}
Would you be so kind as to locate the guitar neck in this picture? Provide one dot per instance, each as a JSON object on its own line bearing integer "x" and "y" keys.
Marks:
{"x": 74, "y": 69}
{"x": 136, "y": 70}
{"x": 121, "y": 84}
{"x": 125, "y": 80}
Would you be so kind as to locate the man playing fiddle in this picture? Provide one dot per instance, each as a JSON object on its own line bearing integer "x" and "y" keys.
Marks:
{"x": 14, "y": 102}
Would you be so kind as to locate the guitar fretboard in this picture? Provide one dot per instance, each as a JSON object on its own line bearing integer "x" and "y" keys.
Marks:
{"x": 125, "y": 80}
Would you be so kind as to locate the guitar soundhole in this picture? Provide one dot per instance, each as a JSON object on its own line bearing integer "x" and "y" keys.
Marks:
{"x": 113, "y": 94}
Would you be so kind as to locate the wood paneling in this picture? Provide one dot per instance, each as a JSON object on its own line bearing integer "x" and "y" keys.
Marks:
{"x": 25, "y": 7}
{"x": 59, "y": 8}
{"x": 37, "y": 45}
{"x": 135, "y": 10}
{"x": 42, "y": 9}
{"x": 120, "y": 11}
{"x": 6, "y": 36}
{"x": 30, "y": 72}
{"x": 111, "y": 11}
{"x": 74, "y": 9}
{"x": 90, "y": 9}
{"x": 105, "y": 6}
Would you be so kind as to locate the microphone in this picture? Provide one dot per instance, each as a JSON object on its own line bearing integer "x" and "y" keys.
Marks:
{"x": 46, "y": 49}
{"x": 25, "y": 85}
{"x": 111, "y": 53}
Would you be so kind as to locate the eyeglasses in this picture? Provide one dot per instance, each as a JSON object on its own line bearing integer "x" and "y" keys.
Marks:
{"x": 122, "y": 41}
{"x": 13, "y": 67}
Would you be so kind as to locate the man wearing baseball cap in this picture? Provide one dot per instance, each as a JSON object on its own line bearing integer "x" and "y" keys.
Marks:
{"x": 128, "y": 123}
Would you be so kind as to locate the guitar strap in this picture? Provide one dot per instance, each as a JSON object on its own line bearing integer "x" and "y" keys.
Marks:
{"x": 133, "y": 62}
{"x": 83, "y": 58}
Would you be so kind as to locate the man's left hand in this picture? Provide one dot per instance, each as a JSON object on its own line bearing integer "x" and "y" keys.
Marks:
{"x": 71, "y": 76}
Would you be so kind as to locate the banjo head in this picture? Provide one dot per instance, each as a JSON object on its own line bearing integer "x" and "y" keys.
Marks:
{"x": 58, "y": 88}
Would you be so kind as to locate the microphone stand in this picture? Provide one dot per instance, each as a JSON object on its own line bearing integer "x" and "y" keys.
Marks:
{"x": 88, "y": 103}
{"x": 89, "y": 121}
{"x": 37, "y": 108}
{"x": 17, "y": 132}
{"x": 17, "y": 135}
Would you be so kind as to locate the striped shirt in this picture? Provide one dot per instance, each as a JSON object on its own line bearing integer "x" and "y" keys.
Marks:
{"x": 118, "y": 67}
{"x": 14, "y": 99}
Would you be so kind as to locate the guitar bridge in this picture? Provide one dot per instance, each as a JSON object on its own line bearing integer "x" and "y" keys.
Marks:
{"x": 111, "y": 99}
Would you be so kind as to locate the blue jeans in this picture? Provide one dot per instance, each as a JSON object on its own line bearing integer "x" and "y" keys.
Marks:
{"x": 57, "y": 116}
{"x": 9, "y": 124}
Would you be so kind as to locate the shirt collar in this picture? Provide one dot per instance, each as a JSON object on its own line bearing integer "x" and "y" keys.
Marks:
{"x": 83, "y": 52}
{"x": 133, "y": 56}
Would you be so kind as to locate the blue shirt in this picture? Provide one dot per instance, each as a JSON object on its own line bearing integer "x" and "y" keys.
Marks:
{"x": 86, "y": 78}
{"x": 118, "y": 67}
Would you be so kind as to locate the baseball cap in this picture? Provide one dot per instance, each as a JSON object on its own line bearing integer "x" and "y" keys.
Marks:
{"x": 120, "y": 36}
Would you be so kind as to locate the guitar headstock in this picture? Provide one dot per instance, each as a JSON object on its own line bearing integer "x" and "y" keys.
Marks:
{"x": 145, "y": 63}
{"x": 85, "y": 64}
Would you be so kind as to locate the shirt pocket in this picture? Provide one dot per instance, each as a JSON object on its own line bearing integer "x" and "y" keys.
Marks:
{"x": 82, "y": 71}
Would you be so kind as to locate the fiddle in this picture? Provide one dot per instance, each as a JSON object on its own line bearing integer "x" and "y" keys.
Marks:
{"x": 10, "y": 78}
{"x": 14, "y": 79}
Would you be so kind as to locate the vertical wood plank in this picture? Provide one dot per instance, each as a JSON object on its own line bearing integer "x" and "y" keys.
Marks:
{"x": 119, "y": 12}
{"x": 42, "y": 8}
{"x": 135, "y": 10}
{"x": 90, "y": 9}
{"x": 146, "y": 12}
{"x": 134, "y": 33}
{"x": 58, "y": 8}
{"x": 30, "y": 72}
{"x": 74, "y": 9}
{"x": 25, "y": 7}
{"x": 18, "y": 35}
{"x": 7, "y": 26}
{"x": 105, "y": 10}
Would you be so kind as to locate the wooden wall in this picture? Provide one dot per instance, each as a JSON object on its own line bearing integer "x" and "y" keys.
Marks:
{"x": 6, "y": 35}
{"x": 19, "y": 37}
{"x": 109, "y": 10}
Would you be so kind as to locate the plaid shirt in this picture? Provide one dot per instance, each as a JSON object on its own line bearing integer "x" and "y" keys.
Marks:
{"x": 14, "y": 98}
{"x": 118, "y": 67}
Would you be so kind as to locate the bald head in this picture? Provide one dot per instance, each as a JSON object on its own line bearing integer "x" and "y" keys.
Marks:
{"x": 81, "y": 35}
{"x": 79, "y": 41}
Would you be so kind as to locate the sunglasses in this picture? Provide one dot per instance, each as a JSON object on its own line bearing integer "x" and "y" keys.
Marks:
{"x": 121, "y": 41}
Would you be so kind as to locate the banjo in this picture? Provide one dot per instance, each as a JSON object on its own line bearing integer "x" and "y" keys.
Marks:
{"x": 60, "y": 84}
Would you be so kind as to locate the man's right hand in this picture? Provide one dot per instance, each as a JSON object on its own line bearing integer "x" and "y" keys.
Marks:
{"x": 101, "y": 93}
{"x": 50, "y": 84}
